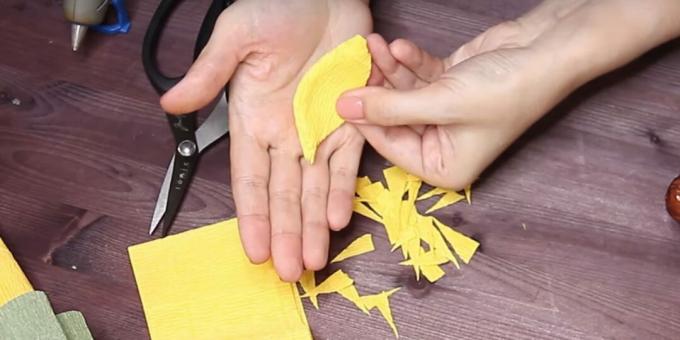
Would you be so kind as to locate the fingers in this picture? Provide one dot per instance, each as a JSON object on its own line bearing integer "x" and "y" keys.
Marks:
{"x": 284, "y": 208}
{"x": 212, "y": 69}
{"x": 344, "y": 166}
{"x": 432, "y": 155}
{"x": 315, "y": 234}
{"x": 376, "y": 105}
{"x": 400, "y": 145}
{"x": 415, "y": 59}
{"x": 394, "y": 72}
{"x": 249, "y": 178}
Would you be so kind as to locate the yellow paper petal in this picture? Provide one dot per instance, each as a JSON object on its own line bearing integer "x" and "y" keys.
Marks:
{"x": 350, "y": 293}
{"x": 13, "y": 282}
{"x": 308, "y": 283}
{"x": 468, "y": 194}
{"x": 337, "y": 281}
{"x": 346, "y": 67}
{"x": 382, "y": 302}
{"x": 464, "y": 246}
{"x": 361, "y": 245}
{"x": 201, "y": 284}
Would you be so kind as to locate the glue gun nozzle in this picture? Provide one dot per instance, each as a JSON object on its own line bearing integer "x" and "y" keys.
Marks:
{"x": 77, "y": 34}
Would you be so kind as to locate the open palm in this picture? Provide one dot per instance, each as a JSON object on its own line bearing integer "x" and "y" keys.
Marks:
{"x": 262, "y": 48}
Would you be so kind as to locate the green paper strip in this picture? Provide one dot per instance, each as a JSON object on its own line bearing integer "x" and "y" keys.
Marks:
{"x": 74, "y": 326}
{"x": 29, "y": 316}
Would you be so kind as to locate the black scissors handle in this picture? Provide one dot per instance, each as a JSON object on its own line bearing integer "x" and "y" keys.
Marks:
{"x": 183, "y": 126}
{"x": 161, "y": 82}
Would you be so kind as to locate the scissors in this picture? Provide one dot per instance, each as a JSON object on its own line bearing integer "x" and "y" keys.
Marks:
{"x": 190, "y": 140}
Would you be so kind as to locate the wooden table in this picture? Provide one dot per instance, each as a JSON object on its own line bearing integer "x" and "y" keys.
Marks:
{"x": 84, "y": 146}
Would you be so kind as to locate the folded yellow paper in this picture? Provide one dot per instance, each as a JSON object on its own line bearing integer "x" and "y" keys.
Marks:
{"x": 13, "y": 282}
{"x": 200, "y": 285}
{"x": 346, "y": 67}
{"x": 361, "y": 245}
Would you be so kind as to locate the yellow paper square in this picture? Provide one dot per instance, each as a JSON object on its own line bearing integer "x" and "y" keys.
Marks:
{"x": 200, "y": 285}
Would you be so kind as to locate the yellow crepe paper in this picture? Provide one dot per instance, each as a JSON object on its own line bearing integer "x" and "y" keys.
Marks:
{"x": 363, "y": 182}
{"x": 361, "y": 209}
{"x": 382, "y": 302}
{"x": 332, "y": 284}
{"x": 464, "y": 246}
{"x": 346, "y": 67}
{"x": 13, "y": 282}
{"x": 468, "y": 194}
{"x": 308, "y": 283}
{"x": 432, "y": 272}
{"x": 449, "y": 197}
{"x": 394, "y": 206}
{"x": 350, "y": 293}
{"x": 200, "y": 284}
{"x": 361, "y": 245}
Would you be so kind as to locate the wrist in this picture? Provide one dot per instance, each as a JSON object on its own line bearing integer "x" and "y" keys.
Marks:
{"x": 596, "y": 37}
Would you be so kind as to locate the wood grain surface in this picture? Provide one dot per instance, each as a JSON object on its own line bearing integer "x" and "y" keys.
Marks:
{"x": 84, "y": 146}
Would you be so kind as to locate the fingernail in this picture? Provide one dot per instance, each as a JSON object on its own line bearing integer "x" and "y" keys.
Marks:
{"x": 350, "y": 108}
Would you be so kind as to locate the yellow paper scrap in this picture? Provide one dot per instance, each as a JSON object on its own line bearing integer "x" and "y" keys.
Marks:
{"x": 350, "y": 293}
{"x": 426, "y": 259}
{"x": 382, "y": 302}
{"x": 361, "y": 245}
{"x": 464, "y": 246}
{"x": 308, "y": 283}
{"x": 394, "y": 206}
{"x": 346, "y": 67}
{"x": 363, "y": 182}
{"x": 396, "y": 179}
{"x": 435, "y": 240}
{"x": 468, "y": 194}
{"x": 200, "y": 285}
{"x": 13, "y": 282}
{"x": 432, "y": 193}
{"x": 361, "y": 209}
{"x": 332, "y": 284}
{"x": 449, "y": 197}
{"x": 432, "y": 272}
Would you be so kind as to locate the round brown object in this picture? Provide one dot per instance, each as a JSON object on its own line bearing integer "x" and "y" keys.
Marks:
{"x": 673, "y": 199}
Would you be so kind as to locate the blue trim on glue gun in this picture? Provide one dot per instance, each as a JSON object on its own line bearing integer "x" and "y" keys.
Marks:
{"x": 122, "y": 24}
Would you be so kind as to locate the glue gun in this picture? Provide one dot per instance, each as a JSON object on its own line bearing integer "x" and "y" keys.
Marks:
{"x": 84, "y": 14}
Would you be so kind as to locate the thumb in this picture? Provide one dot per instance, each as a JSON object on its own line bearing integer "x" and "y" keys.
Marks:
{"x": 389, "y": 107}
{"x": 212, "y": 69}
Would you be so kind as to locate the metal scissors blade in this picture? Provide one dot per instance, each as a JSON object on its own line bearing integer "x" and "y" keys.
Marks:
{"x": 212, "y": 129}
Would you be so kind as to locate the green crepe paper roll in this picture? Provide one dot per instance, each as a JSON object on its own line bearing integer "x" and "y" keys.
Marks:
{"x": 29, "y": 316}
{"x": 74, "y": 326}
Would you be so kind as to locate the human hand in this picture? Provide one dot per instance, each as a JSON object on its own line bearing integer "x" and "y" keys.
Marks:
{"x": 284, "y": 205}
{"x": 446, "y": 120}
